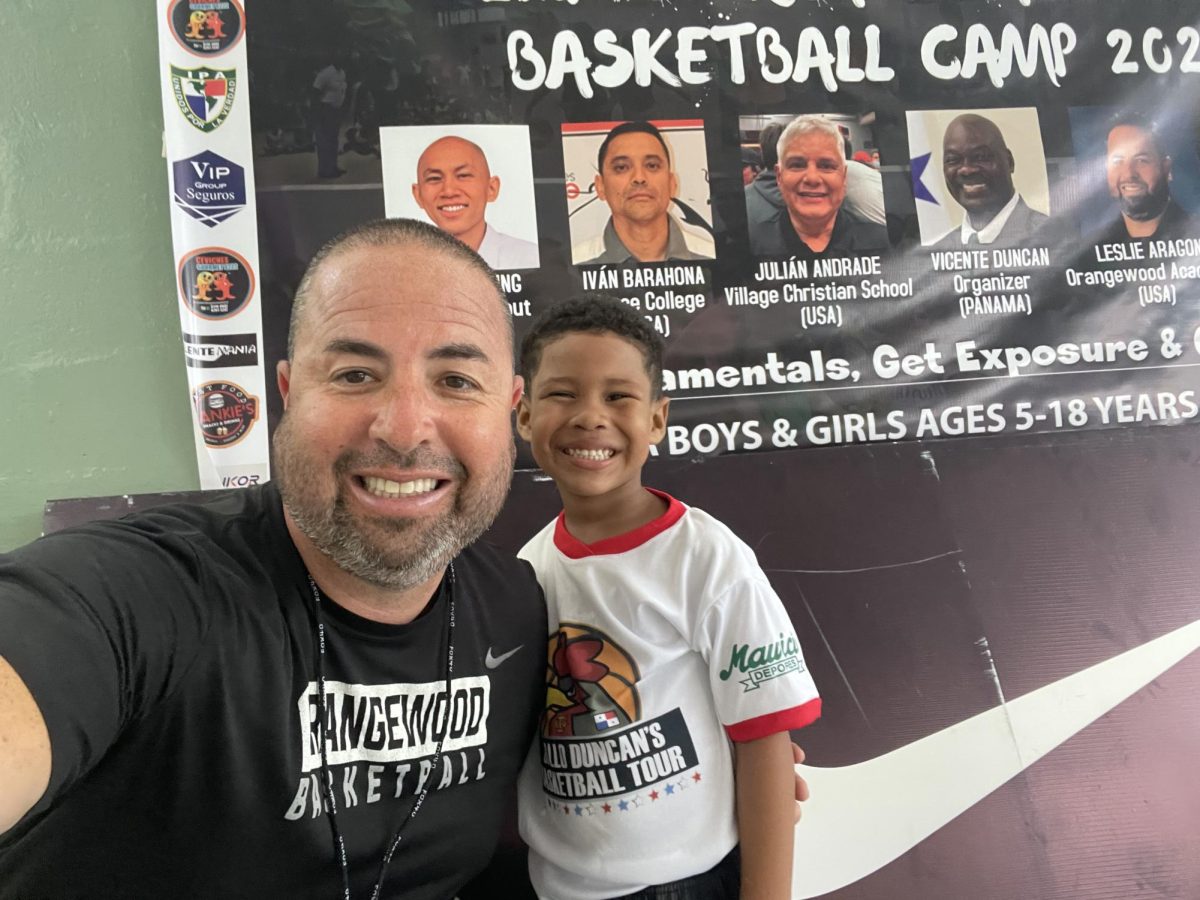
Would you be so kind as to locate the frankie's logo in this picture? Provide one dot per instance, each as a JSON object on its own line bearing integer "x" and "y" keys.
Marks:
{"x": 764, "y": 662}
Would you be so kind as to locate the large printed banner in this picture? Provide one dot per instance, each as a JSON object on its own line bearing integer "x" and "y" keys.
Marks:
{"x": 978, "y": 219}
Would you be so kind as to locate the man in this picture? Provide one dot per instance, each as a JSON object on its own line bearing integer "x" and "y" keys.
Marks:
{"x": 1139, "y": 179}
{"x": 637, "y": 181}
{"x": 752, "y": 163}
{"x": 978, "y": 168}
{"x": 454, "y": 187}
{"x": 811, "y": 171}
{"x": 329, "y": 89}
{"x": 194, "y": 699}
{"x": 178, "y": 698}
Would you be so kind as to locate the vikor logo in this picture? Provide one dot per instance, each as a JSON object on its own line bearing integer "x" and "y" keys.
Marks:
{"x": 215, "y": 283}
{"x": 225, "y": 412}
{"x": 204, "y": 96}
{"x": 764, "y": 662}
{"x": 206, "y": 27}
{"x": 209, "y": 187}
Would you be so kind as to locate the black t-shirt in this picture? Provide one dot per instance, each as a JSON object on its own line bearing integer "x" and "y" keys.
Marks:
{"x": 172, "y": 655}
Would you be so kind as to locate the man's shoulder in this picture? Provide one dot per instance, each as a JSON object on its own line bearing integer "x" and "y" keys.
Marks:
{"x": 236, "y": 529}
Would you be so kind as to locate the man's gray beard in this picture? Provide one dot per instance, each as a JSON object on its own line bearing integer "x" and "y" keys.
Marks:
{"x": 335, "y": 533}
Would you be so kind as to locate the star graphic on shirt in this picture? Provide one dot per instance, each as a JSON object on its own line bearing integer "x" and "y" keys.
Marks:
{"x": 637, "y": 801}
{"x": 606, "y": 808}
{"x": 622, "y": 805}
{"x": 681, "y": 784}
{"x": 670, "y": 788}
{"x": 696, "y": 777}
{"x": 579, "y": 810}
{"x": 654, "y": 795}
{"x": 566, "y": 810}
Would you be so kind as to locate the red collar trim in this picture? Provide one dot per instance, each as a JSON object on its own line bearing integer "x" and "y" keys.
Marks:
{"x": 573, "y": 548}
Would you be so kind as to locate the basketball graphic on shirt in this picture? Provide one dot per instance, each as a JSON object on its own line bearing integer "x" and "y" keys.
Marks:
{"x": 591, "y": 683}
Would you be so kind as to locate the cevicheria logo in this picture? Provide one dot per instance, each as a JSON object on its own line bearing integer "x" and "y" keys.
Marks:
{"x": 224, "y": 411}
{"x": 215, "y": 282}
{"x": 206, "y": 27}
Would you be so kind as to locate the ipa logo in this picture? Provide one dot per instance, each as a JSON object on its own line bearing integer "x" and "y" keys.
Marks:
{"x": 204, "y": 96}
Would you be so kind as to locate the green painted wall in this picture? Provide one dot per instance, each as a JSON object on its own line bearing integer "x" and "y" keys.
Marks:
{"x": 93, "y": 396}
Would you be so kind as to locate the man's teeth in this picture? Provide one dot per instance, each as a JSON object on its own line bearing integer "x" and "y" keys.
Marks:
{"x": 382, "y": 487}
{"x": 457, "y": 207}
{"x": 591, "y": 454}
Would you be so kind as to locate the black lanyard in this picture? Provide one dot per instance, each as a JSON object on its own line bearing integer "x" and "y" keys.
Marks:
{"x": 339, "y": 845}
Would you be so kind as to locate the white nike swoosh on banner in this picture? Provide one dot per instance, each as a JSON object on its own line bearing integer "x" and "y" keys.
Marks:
{"x": 861, "y": 817}
{"x": 492, "y": 661}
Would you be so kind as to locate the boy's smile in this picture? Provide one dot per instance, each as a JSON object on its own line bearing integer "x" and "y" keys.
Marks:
{"x": 590, "y": 417}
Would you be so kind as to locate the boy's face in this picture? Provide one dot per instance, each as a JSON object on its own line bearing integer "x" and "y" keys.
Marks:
{"x": 589, "y": 415}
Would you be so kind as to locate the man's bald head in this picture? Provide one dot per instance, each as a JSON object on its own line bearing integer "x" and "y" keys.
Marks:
{"x": 401, "y": 235}
{"x": 454, "y": 186}
{"x": 978, "y": 167}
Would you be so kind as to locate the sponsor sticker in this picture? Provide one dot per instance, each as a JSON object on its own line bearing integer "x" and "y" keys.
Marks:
{"x": 206, "y": 27}
{"x": 204, "y": 96}
{"x": 209, "y": 187}
{"x": 215, "y": 283}
{"x": 225, "y": 412}
{"x": 212, "y": 350}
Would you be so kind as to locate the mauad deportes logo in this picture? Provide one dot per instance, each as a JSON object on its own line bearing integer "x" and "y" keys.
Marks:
{"x": 215, "y": 283}
{"x": 212, "y": 350}
{"x": 225, "y": 412}
{"x": 764, "y": 662}
{"x": 209, "y": 187}
{"x": 206, "y": 27}
{"x": 204, "y": 96}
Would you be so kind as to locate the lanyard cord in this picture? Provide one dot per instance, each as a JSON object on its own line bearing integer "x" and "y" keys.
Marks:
{"x": 339, "y": 844}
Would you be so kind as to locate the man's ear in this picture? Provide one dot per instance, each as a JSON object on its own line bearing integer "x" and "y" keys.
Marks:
{"x": 599, "y": 182}
{"x": 1012, "y": 163}
{"x": 416, "y": 192}
{"x": 518, "y": 390}
{"x": 674, "y": 184}
{"x": 493, "y": 188}
{"x": 283, "y": 377}
{"x": 658, "y": 419}
{"x": 523, "y": 412}
{"x": 1167, "y": 167}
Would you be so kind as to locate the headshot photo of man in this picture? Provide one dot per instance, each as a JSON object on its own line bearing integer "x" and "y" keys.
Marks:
{"x": 811, "y": 171}
{"x": 994, "y": 188}
{"x": 454, "y": 182}
{"x": 636, "y": 179}
{"x": 1138, "y": 172}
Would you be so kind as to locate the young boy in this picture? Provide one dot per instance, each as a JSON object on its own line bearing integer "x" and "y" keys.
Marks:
{"x": 667, "y": 642}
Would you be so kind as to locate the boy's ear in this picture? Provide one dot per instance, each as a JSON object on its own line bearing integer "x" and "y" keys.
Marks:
{"x": 523, "y": 428}
{"x": 658, "y": 419}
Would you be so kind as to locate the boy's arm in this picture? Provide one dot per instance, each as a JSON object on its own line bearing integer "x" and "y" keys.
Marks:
{"x": 766, "y": 796}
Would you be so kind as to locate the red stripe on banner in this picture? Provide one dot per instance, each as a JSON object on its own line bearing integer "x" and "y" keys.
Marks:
{"x": 604, "y": 127}
{"x": 773, "y": 723}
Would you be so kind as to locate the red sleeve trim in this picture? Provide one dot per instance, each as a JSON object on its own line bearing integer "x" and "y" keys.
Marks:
{"x": 773, "y": 723}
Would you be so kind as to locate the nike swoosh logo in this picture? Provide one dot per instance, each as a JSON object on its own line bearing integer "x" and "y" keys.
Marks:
{"x": 492, "y": 661}
{"x": 864, "y": 816}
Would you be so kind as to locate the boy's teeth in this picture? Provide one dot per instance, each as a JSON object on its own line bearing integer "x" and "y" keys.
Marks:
{"x": 591, "y": 454}
{"x": 382, "y": 487}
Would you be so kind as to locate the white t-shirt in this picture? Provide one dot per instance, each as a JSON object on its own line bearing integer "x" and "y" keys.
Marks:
{"x": 503, "y": 251}
{"x": 665, "y": 643}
